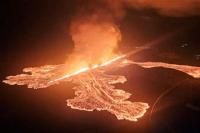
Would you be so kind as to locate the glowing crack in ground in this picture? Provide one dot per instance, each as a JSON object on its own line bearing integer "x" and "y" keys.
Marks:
{"x": 95, "y": 89}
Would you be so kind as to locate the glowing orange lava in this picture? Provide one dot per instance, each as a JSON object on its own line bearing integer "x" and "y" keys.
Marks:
{"x": 95, "y": 90}
{"x": 193, "y": 71}
{"x": 84, "y": 69}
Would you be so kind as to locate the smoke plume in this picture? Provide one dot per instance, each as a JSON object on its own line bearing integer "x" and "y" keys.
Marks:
{"x": 95, "y": 40}
{"x": 94, "y": 30}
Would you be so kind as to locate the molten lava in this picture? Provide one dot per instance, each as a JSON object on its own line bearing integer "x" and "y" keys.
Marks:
{"x": 95, "y": 90}
{"x": 193, "y": 71}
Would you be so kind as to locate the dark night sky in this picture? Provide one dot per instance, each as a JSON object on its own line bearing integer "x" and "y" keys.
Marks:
{"x": 34, "y": 33}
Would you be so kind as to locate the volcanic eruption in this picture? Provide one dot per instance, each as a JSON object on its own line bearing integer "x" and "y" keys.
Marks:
{"x": 96, "y": 37}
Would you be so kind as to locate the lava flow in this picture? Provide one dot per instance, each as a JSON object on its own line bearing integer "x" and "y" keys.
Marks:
{"x": 95, "y": 53}
{"x": 95, "y": 90}
{"x": 193, "y": 71}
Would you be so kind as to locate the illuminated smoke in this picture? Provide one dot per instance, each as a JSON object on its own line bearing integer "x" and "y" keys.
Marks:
{"x": 95, "y": 41}
{"x": 95, "y": 33}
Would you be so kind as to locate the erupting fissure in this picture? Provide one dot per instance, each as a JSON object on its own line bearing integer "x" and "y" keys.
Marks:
{"x": 96, "y": 35}
{"x": 95, "y": 89}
